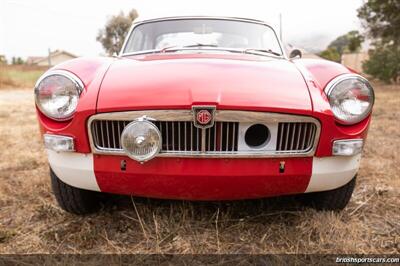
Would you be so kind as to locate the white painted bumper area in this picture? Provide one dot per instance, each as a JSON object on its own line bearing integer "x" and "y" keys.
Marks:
{"x": 74, "y": 169}
{"x": 332, "y": 172}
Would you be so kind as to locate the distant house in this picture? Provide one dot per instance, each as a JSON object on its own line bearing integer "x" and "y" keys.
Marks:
{"x": 355, "y": 60}
{"x": 55, "y": 57}
{"x": 31, "y": 60}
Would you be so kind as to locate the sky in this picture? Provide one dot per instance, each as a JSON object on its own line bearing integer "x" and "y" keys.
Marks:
{"x": 30, "y": 28}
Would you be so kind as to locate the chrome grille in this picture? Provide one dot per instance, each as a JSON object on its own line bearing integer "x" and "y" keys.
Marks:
{"x": 295, "y": 136}
{"x": 222, "y": 137}
{"x": 106, "y": 134}
{"x": 291, "y": 135}
{"x": 177, "y": 136}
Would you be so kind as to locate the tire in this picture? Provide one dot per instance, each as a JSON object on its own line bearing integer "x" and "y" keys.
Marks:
{"x": 332, "y": 200}
{"x": 72, "y": 199}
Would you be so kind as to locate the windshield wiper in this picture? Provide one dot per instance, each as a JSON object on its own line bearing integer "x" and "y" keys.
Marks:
{"x": 174, "y": 48}
{"x": 258, "y": 51}
{"x": 200, "y": 45}
{"x": 178, "y": 47}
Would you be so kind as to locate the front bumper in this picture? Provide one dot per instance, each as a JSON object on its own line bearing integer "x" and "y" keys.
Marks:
{"x": 204, "y": 179}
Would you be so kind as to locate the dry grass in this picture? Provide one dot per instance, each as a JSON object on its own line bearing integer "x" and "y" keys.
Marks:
{"x": 19, "y": 76}
{"x": 31, "y": 221}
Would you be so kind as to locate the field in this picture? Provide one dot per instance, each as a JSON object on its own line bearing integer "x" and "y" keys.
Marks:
{"x": 19, "y": 76}
{"x": 31, "y": 221}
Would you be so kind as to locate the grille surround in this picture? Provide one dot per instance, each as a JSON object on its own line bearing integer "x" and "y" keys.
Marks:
{"x": 225, "y": 116}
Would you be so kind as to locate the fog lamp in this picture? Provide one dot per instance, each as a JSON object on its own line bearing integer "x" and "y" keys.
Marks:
{"x": 347, "y": 147}
{"x": 58, "y": 143}
{"x": 141, "y": 140}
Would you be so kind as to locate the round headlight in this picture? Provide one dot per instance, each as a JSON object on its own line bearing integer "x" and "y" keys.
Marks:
{"x": 351, "y": 98}
{"x": 141, "y": 140}
{"x": 57, "y": 94}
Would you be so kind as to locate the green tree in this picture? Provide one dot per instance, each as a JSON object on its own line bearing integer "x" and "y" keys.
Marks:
{"x": 383, "y": 63}
{"x": 349, "y": 42}
{"x": 331, "y": 54}
{"x": 113, "y": 34}
{"x": 19, "y": 61}
{"x": 355, "y": 40}
{"x": 381, "y": 20}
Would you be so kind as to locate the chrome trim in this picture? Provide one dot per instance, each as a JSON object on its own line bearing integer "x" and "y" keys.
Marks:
{"x": 331, "y": 85}
{"x": 69, "y": 75}
{"x": 135, "y": 24}
{"x": 220, "y": 116}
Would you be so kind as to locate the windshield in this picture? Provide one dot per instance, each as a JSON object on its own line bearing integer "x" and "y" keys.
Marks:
{"x": 202, "y": 34}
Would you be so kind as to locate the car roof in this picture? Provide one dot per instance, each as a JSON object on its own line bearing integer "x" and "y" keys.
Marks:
{"x": 201, "y": 17}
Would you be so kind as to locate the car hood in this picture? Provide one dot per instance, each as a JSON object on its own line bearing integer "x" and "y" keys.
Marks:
{"x": 229, "y": 82}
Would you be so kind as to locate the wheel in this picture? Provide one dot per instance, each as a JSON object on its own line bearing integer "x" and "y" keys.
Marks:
{"x": 332, "y": 200}
{"x": 72, "y": 199}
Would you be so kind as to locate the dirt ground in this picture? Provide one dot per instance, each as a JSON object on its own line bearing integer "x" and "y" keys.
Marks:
{"x": 31, "y": 221}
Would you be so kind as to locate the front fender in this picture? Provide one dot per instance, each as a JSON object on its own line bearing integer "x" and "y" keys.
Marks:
{"x": 317, "y": 74}
{"x": 91, "y": 71}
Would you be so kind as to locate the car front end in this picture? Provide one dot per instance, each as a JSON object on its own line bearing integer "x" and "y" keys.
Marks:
{"x": 201, "y": 123}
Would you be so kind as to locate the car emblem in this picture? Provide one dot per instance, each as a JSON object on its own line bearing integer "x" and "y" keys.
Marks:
{"x": 203, "y": 116}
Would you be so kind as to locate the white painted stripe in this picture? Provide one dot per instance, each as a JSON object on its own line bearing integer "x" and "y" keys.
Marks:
{"x": 74, "y": 169}
{"x": 332, "y": 172}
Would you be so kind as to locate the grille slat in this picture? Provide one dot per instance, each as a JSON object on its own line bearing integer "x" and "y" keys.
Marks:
{"x": 298, "y": 137}
{"x": 227, "y": 137}
{"x": 303, "y": 139}
{"x": 232, "y": 138}
{"x": 215, "y": 137}
{"x": 101, "y": 134}
{"x": 108, "y": 139}
{"x": 287, "y": 130}
{"x": 172, "y": 135}
{"x": 96, "y": 133}
{"x": 197, "y": 139}
{"x": 220, "y": 127}
{"x": 185, "y": 136}
{"x": 113, "y": 136}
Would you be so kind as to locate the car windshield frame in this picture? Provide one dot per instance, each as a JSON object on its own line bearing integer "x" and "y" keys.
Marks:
{"x": 241, "y": 50}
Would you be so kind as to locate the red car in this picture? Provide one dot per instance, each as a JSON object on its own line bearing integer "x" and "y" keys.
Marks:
{"x": 203, "y": 108}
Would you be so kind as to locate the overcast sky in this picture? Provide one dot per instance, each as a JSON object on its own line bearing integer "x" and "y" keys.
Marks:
{"x": 29, "y": 28}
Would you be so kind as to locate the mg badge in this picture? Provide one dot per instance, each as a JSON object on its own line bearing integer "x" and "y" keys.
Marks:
{"x": 203, "y": 116}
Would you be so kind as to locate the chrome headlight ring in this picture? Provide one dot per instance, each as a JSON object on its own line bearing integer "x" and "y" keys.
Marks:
{"x": 351, "y": 98}
{"x": 57, "y": 94}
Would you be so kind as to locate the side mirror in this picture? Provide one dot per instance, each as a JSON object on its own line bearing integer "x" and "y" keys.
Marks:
{"x": 295, "y": 53}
